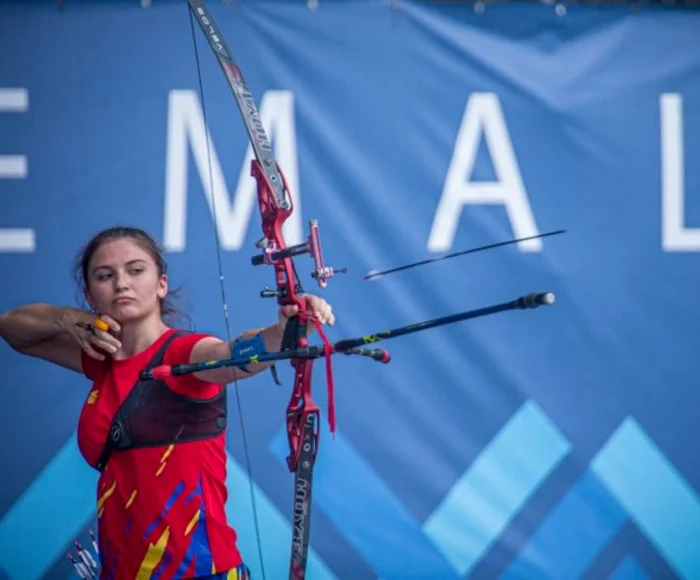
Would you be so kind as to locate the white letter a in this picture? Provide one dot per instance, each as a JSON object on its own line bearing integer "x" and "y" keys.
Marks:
{"x": 483, "y": 114}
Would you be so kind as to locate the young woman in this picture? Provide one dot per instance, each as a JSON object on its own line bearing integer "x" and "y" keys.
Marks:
{"x": 160, "y": 445}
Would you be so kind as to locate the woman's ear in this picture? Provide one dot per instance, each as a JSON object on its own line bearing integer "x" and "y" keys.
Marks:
{"x": 162, "y": 286}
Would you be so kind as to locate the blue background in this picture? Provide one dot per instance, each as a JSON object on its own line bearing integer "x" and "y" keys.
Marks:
{"x": 558, "y": 443}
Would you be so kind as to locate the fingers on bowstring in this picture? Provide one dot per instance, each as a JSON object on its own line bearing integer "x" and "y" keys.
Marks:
{"x": 104, "y": 330}
{"x": 106, "y": 341}
{"x": 93, "y": 338}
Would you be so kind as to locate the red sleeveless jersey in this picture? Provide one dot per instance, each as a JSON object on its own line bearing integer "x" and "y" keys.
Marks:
{"x": 160, "y": 509}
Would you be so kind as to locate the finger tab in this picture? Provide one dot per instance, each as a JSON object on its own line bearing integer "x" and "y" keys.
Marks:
{"x": 100, "y": 324}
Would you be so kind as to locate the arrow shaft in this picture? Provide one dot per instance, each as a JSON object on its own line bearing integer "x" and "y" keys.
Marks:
{"x": 460, "y": 253}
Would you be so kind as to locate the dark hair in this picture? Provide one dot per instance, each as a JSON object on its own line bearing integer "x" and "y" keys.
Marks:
{"x": 168, "y": 310}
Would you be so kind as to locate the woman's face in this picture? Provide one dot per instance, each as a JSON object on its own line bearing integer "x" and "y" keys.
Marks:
{"x": 124, "y": 282}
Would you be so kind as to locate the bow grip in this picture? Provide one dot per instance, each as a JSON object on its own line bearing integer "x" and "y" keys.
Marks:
{"x": 295, "y": 335}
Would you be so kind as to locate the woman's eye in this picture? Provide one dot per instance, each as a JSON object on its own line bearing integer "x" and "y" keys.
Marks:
{"x": 136, "y": 270}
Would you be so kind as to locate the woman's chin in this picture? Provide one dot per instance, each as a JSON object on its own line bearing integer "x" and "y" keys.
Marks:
{"x": 124, "y": 313}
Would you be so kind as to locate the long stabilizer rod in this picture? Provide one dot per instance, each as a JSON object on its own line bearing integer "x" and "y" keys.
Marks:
{"x": 353, "y": 346}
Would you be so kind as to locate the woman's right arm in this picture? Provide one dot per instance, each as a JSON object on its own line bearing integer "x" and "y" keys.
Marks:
{"x": 49, "y": 332}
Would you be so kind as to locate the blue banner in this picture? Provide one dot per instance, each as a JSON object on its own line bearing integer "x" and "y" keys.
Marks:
{"x": 548, "y": 444}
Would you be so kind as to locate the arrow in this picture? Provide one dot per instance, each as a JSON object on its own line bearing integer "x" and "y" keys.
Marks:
{"x": 373, "y": 274}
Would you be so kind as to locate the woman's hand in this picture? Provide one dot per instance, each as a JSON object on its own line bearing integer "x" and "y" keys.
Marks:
{"x": 316, "y": 307}
{"x": 85, "y": 330}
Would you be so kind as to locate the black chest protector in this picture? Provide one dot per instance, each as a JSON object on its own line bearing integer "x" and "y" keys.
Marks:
{"x": 152, "y": 414}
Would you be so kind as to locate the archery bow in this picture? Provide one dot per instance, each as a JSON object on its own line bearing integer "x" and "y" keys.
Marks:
{"x": 275, "y": 204}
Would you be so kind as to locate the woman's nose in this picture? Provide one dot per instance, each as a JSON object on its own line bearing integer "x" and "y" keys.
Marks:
{"x": 120, "y": 281}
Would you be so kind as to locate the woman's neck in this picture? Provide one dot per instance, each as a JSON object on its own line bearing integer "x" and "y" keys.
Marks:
{"x": 137, "y": 336}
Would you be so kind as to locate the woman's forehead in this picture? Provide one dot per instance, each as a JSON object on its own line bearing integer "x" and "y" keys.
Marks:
{"x": 121, "y": 250}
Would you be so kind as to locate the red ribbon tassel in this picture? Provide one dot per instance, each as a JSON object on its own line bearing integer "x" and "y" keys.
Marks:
{"x": 328, "y": 350}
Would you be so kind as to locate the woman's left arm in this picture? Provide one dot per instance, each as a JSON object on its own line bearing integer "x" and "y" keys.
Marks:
{"x": 212, "y": 348}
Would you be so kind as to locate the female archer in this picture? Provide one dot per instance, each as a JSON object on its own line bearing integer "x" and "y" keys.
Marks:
{"x": 159, "y": 444}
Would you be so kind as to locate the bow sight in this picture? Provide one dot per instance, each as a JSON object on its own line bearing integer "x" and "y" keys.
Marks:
{"x": 272, "y": 254}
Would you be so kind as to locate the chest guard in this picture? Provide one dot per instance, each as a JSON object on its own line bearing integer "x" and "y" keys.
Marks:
{"x": 152, "y": 414}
